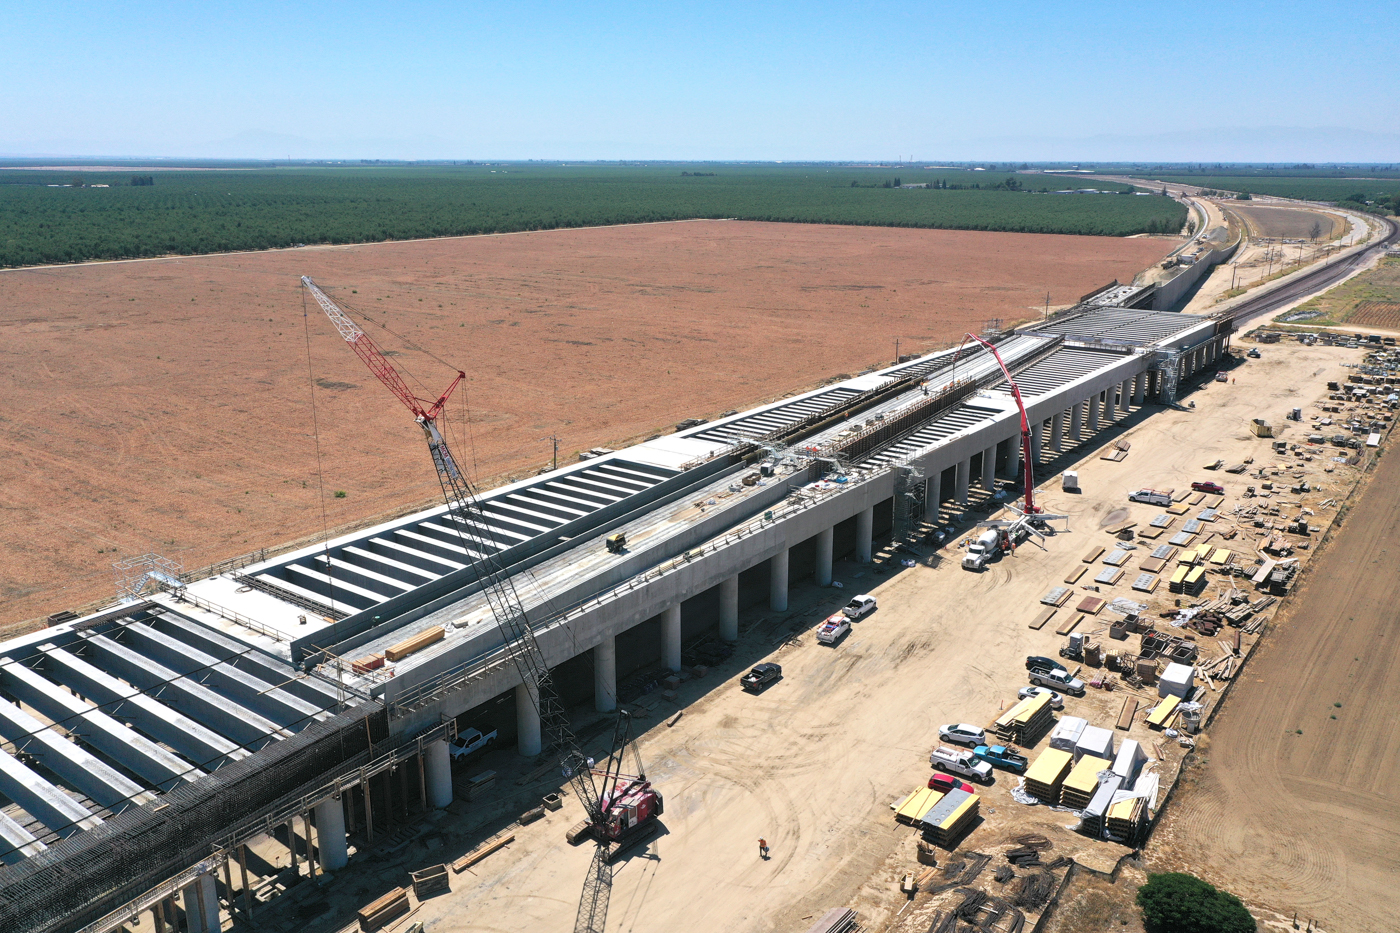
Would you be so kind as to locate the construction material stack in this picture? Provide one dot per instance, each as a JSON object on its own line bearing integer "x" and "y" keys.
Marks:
{"x": 1125, "y": 818}
{"x": 1025, "y": 722}
{"x": 1083, "y": 782}
{"x": 1046, "y": 775}
{"x": 950, "y": 817}
{"x": 912, "y": 808}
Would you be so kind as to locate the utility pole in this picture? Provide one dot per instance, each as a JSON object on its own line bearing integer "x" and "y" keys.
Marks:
{"x": 896, "y": 351}
{"x": 555, "y": 439}
{"x": 1047, "y": 305}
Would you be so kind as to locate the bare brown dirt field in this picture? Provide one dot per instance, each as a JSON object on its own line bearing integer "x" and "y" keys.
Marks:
{"x": 1296, "y": 806}
{"x": 1289, "y": 222}
{"x": 1381, "y": 314}
{"x": 166, "y": 405}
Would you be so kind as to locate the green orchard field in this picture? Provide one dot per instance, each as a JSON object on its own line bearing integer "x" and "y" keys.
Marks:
{"x": 45, "y": 218}
{"x": 1303, "y": 188}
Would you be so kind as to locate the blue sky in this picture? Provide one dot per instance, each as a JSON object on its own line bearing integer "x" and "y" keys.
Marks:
{"x": 1200, "y": 81}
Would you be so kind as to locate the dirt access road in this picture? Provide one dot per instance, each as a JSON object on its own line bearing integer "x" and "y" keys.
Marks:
{"x": 813, "y": 763}
{"x": 1298, "y": 805}
{"x": 166, "y": 405}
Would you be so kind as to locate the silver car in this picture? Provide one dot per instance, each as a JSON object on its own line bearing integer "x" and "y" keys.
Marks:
{"x": 962, "y": 733}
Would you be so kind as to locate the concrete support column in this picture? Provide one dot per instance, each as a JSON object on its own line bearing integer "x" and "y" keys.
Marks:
{"x": 605, "y": 675}
{"x": 671, "y": 637}
{"x": 865, "y": 534}
{"x": 933, "y": 492}
{"x": 777, "y": 582}
{"x": 1076, "y": 422}
{"x": 729, "y": 609}
{"x": 1124, "y": 394}
{"x": 1037, "y": 429}
{"x": 437, "y": 774}
{"x": 964, "y": 476}
{"x": 1057, "y": 432}
{"x": 330, "y": 834}
{"x": 1140, "y": 389}
{"x": 1094, "y": 415}
{"x": 527, "y": 722}
{"x": 989, "y": 468}
{"x": 202, "y": 905}
{"x": 1013, "y": 463}
{"x": 825, "y": 539}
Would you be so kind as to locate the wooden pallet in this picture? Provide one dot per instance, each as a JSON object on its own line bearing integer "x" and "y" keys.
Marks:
{"x": 1094, "y": 554}
{"x": 1068, "y": 624}
{"x": 1045, "y": 615}
{"x": 1075, "y": 574}
{"x": 1127, "y": 712}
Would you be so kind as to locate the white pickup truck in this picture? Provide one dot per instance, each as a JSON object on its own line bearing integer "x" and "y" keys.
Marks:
{"x": 957, "y": 761}
{"x": 1057, "y": 680}
{"x": 471, "y": 741}
{"x": 833, "y": 628}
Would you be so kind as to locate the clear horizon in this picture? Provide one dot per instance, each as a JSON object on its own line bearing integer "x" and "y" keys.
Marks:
{"x": 727, "y": 82}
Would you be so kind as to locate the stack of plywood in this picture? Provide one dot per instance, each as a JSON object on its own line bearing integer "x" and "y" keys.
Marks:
{"x": 912, "y": 808}
{"x": 1046, "y": 775}
{"x": 950, "y": 817}
{"x": 377, "y": 913}
{"x": 1025, "y": 722}
{"x": 1164, "y": 714}
{"x": 1079, "y": 788}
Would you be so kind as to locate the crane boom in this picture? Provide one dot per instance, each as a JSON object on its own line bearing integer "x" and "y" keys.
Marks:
{"x": 478, "y": 540}
{"x": 1031, "y": 507}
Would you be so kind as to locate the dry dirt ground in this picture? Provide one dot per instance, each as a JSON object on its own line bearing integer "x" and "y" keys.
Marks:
{"x": 166, "y": 405}
{"x": 1289, "y": 222}
{"x": 1298, "y": 805}
{"x": 813, "y": 763}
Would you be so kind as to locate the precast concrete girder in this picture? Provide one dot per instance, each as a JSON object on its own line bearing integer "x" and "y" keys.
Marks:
{"x": 40, "y": 799}
{"x": 132, "y": 749}
{"x": 74, "y": 764}
{"x": 232, "y": 719}
{"x": 16, "y": 842}
{"x": 158, "y": 720}
{"x": 262, "y": 666}
{"x": 267, "y": 699}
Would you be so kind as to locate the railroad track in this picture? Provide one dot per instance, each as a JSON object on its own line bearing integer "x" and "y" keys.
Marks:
{"x": 1309, "y": 282}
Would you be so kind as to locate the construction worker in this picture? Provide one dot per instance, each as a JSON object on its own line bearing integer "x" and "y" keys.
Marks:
{"x": 763, "y": 849}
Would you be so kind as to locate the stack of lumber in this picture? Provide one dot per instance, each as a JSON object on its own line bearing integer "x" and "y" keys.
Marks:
{"x": 1079, "y": 788}
{"x": 1047, "y": 773}
{"x": 379, "y": 912}
{"x": 950, "y": 817}
{"x": 1195, "y": 582}
{"x": 911, "y": 809}
{"x": 1125, "y": 818}
{"x": 836, "y": 920}
{"x": 416, "y": 643}
{"x": 1025, "y": 722}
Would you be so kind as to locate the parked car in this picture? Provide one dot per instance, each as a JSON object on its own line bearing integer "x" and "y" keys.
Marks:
{"x": 761, "y": 676}
{"x": 1048, "y": 678}
{"x": 1003, "y": 756}
{"x": 1207, "y": 486}
{"x": 962, "y": 733}
{"x": 957, "y": 761}
{"x": 1056, "y": 701}
{"x": 471, "y": 741}
{"x": 833, "y": 628}
{"x": 859, "y": 607}
{"x": 946, "y": 782}
{"x": 1035, "y": 660}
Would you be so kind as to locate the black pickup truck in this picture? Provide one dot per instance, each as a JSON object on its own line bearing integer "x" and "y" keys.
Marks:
{"x": 760, "y": 677}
